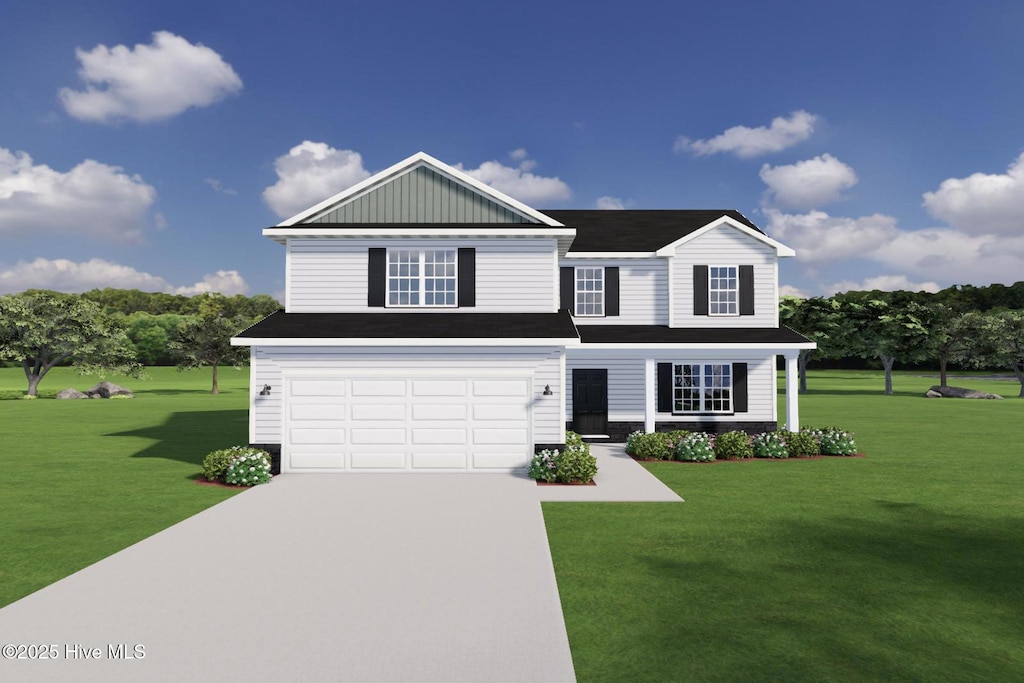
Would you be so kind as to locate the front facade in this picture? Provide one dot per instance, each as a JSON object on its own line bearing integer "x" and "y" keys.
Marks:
{"x": 432, "y": 323}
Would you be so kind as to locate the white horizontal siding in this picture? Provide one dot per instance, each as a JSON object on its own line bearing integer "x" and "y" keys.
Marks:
{"x": 725, "y": 246}
{"x": 330, "y": 275}
{"x": 643, "y": 291}
{"x": 543, "y": 363}
{"x": 626, "y": 398}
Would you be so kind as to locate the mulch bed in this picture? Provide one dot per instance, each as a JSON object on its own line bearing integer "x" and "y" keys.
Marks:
{"x": 798, "y": 457}
{"x": 555, "y": 483}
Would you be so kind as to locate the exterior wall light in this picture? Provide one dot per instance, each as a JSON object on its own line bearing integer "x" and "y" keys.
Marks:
{"x": 547, "y": 390}
{"x": 266, "y": 390}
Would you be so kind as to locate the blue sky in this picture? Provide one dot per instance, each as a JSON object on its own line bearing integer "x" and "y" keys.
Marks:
{"x": 147, "y": 144}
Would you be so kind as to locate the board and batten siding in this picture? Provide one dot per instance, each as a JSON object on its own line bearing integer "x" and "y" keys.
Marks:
{"x": 268, "y": 363}
{"x": 420, "y": 196}
{"x": 643, "y": 291}
{"x": 626, "y": 399}
{"x": 329, "y": 275}
{"x": 725, "y": 246}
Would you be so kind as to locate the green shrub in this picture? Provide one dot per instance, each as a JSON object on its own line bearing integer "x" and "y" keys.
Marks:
{"x": 802, "y": 443}
{"x": 215, "y": 464}
{"x": 631, "y": 441}
{"x": 770, "y": 445}
{"x": 248, "y": 468}
{"x": 835, "y": 441}
{"x": 543, "y": 465}
{"x": 695, "y": 447}
{"x": 653, "y": 446}
{"x": 732, "y": 445}
{"x": 576, "y": 465}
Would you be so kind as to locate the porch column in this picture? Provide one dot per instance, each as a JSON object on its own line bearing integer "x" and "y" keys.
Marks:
{"x": 792, "y": 396}
{"x": 650, "y": 404}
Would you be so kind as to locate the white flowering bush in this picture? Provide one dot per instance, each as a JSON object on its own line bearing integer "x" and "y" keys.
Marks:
{"x": 770, "y": 445}
{"x": 248, "y": 469}
{"x": 544, "y": 465}
{"x": 695, "y": 447}
{"x": 216, "y": 463}
{"x": 835, "y": 441}
{"x": 632, "y": 439}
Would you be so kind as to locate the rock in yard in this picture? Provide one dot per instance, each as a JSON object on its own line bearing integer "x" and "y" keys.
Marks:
{"x": 959, "y": 392}
{"x": 70, "y": 393}
{"x": 932, "y": 394}
{"x": 108, "y": 389}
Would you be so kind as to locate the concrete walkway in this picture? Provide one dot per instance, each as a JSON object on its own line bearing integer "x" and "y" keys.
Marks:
{"x": 365, "y": 577}
{"x": 356, "y": 577}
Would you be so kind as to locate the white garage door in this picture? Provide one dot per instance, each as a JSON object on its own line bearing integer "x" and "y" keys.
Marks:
{"x": 417, "y": 422}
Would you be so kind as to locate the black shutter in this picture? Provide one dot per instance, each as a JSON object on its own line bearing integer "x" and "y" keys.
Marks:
{"x": 746, "y": 290}
{"x": 568, "y": 288}
{"x": 739, "y": 387}
{"x": 467, "y": 277}
{"x": 665, "y": 387}
{"x": 377, "y": 280}
{"x": 700, "y": 290}
{"x": 611, "y": 290}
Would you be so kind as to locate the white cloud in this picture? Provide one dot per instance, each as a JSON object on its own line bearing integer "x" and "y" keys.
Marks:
{"x": 885, "y": 283}
{"x": 148, "y": 82}
{"x": 217, "y": 186}
{"x": 92, "y": 199}
{"x": 71, "y": 276}
{"x": 790, "y": 290}
{"x": 309, "y": 173}
{"x": 518, "y": 154}
{"x": 982, "y": 203}
{"x": 818, "y": 237}
{"x": 808, "y": 184}
{"x": 519, "y": 182}
{"x": 747, "y": 142}
{"x": 610, "y": 203}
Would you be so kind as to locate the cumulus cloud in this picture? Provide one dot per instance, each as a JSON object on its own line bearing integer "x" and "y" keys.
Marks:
{"x": 808, "y": 184}
{"x": 610, "y": 203}
{"x": 982, "y": 203}
{"x": 71, "y": 276}
{"x": 148, "y": 82}
{"x": 747, "y": 143}
{"x": 518, "y": 181}
{"x": 790, "y": 290}
{"x": 309, "y": 173}
{"x": 818, "y": 237}
{"x": 92, "y": 199}
{"x": 885, "y": 283}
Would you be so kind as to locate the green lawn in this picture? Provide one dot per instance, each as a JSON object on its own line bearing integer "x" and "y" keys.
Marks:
{"x": 80, "y": 480}
{"x": 904, "y": 565}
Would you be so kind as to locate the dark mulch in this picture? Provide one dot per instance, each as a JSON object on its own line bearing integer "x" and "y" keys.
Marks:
{"x": 575, "y": 483}
{"x": 798, "y": 457}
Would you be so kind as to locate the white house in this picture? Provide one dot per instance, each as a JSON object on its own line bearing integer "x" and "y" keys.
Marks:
{"x": 432, "y": 323}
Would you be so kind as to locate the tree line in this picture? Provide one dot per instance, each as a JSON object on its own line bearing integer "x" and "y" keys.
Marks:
{"x": 124, "y": 330}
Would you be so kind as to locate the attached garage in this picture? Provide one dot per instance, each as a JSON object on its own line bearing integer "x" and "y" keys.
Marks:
{"x": 417, "y": 420}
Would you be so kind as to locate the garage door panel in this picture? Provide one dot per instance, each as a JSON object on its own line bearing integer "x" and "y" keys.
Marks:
{"x": 317, "y": 387}
{"x": 303, "y": 459}
{"x": 438, "y": 387}
{"x": 439, "y": 411}
{"x": 499, "y": 435}
{"x": 379, "y": 387}
{"x": 499, "y": 411}
{"x": 306, "y": 435}
{"x": 384, "y": 435}
{"x": 445, "y": 458}
{"x": 498, "y": 387}
{"x": 379, "y": 411}
{"x": 332, "y": 411}
{"x": 371, "y": 459}
{"x": 424, "y": 436}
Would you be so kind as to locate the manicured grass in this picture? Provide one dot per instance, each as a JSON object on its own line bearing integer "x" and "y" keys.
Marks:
{"x": 80, "y": 480}
{"x": 904, "y": 565}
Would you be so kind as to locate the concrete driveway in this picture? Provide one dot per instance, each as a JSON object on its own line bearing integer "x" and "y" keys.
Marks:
{"x": 366, "y": 577}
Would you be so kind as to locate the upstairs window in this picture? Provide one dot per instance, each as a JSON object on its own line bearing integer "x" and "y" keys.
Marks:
{"x": 723, "y": 290}
{"x": 422, "y": 277}
{"x": 702, "y": 388}
{"x": 589, "y": 292}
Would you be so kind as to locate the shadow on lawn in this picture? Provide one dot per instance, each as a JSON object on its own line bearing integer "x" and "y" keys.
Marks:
{"x": 856, "y": 593}
{"x": 189, "y": 436}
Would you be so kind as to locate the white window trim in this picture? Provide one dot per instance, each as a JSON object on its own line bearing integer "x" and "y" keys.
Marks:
{"x": 737, "y": 290}
{"x": 422, "y": 251}
{"x": 726, "y": 411}
{"x": 576, "y": 292}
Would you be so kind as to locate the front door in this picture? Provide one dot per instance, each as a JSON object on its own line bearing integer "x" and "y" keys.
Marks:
{"x": 590, "y": 401}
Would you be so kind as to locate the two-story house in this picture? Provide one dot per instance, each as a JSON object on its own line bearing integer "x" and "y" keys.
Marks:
{"x": 432, "y": 323}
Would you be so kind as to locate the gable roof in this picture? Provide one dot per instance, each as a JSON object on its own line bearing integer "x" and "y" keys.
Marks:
{"x": 637, "y": 230}
{"x": 489, "y": 204}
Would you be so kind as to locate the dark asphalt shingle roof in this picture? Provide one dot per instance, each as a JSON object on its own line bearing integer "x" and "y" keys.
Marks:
{"x": 414, "y": 325}
{"x": 661, "y": 334}
{"x": 629, "y": 230}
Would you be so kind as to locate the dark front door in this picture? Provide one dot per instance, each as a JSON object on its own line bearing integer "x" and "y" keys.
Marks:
{"x": 590, "y": 401}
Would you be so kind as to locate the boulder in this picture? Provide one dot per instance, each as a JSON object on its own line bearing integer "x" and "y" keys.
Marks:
{"x": 932, "y": 394}
{"x": 959, "y": 392}
{"x": 70, "y": 393}
{"x": 108, "y": 389}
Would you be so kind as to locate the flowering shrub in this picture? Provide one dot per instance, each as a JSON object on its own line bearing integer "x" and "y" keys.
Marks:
{"x": 695, "y": 447}
{"x": 215, "y": 464}
{"x": 770, "y": 445}
{"x": 248, "y": 469}
{"x": 835, "y": 441}
{"x": 543, "y": 465}
{"x": 804, "y": 442}
{"x": 631, "y": 441}
{"x": 733, "y": 445}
